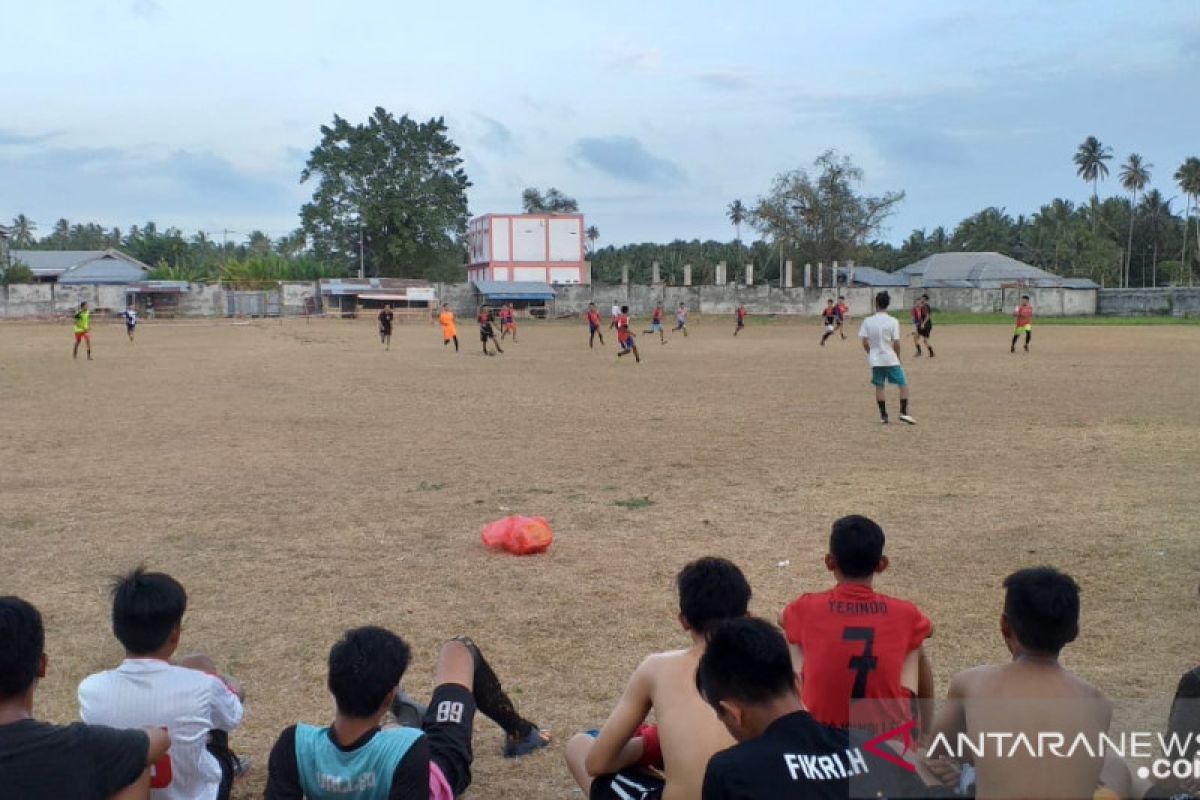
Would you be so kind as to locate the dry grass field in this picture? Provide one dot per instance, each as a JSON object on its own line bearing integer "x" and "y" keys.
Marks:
{"x": 299, "y": 480}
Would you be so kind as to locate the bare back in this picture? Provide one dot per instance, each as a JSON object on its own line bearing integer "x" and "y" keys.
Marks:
{"x": 1030, "y": 698}
{"x": 688, "y": 728}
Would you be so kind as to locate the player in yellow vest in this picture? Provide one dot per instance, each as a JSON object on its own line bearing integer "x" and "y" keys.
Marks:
{"x": 83, "y": 330}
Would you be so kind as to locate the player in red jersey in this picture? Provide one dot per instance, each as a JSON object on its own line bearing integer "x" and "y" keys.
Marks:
{"x": 1024, "y": 315}
{"x": 852, "y": 643}
{"x": 842, "y": 316}
{"x": 593, "y": 321}
{"x": 508, "y": 322}
{"x": 741, "y": 319}
{"x": 624, "y": 337}
{"x": 656, "y": 325}
{"x": 828, "y": 318}
{"x": 486, "y": 331}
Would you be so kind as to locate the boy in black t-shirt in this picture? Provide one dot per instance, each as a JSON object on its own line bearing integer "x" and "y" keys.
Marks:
{"x": 39, "y": 760}
{"x": 746, "y": 675}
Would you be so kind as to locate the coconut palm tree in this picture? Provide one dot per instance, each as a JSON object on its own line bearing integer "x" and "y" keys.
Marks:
{"x": 23, "y": 229}
{"x": 1188, "y": 177}
{"x": 1135, "y": 174}
{"x": 1089, "y": 162}
{"x": 737, "y": 215}
{"x": 592, "y": 234}
{"x": 1156, "y": 211}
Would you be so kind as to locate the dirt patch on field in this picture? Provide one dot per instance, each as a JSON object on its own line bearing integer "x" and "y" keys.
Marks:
{"x": 299, "y": 480}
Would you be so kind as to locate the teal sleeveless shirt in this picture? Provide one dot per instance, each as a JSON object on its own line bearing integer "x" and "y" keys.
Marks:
{"x": 361, "y": 774}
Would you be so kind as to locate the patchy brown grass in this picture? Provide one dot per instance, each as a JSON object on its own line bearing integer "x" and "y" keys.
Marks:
{"x": 299, "y": 480}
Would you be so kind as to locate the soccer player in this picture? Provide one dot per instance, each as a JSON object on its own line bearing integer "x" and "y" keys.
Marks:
{"x": 922, "y": 316}
{"x": 1024, "y": 315}
{"x": 508, "y": 322}
{"x": 1031, "y": 694}
{"x": 613, "y": 764}
{"x": 131, "y": 320}
{"x": 656, "y": 325}
{"x": 40, "y": 761}
{"x": 843, "y": 316}
{"x": 385, "y": 326}
{"x": 624, "y": 336}
{"x": 449, "y": 329}
{"x": 880, "y": 337}
{"x": 783, "y": 752}
{"x": 486, "y": 331}
{"x": 593, "y": 320}
{"x": 741, "y": 319}
{"x": 681, "y": 320}
{"x": 357, "y": 757}
{"x": 197, "y": 706}
{"x": 853, "y": 643}
{"x": 828, "y": 318}
{"x": 83, "y": 330}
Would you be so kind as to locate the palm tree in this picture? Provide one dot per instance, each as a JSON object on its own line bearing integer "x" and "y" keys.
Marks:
{"x": 737, "y": 215}
{"x": 1188, "y": 176}
{"x": 1089, "y": 161}
{"x": 1135, "y": 174}
{"x": 1156, "y": 211}
{"x": 592, "y": 234}
{"x": 22, "y": 232}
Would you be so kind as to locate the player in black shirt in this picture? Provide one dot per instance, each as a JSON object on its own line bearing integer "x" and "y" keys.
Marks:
{"x": 39, "y": 760}
{"x": 385, "y": 326}
{"x": 746, "y": 675}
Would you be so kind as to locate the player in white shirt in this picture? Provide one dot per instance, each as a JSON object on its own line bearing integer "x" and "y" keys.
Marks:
{"x": 880, "y": 337}
{"x": 197, "y": 706}
{"x": 131, "y": 320}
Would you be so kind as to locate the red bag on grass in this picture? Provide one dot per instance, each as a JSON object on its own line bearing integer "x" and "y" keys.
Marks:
{"x": 520, "y": 536}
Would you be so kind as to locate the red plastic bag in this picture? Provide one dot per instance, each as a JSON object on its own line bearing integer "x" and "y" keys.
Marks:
{"x": 520, "y": 536}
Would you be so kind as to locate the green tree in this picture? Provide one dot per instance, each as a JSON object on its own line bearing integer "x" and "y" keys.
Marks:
{"x": 1155, "y": 212}
{"x": 1089, "y": 163}
{"x": 396, "y": 183}
{"x": 822, "y": 217}
{"x": 592, "y": 233}
{"x": 23, "y": 229}
{"x": 1135, "y": 174}
{"x": 989, "y": 231}
{"x": 16, "y": 272}
{"x": 737, "y": 215}
{"x": 552, "y": 202}
{"x": 1188, "y": 178}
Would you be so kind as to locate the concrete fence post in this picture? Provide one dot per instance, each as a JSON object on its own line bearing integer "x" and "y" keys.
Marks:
{"x": 807, "y": 275}
{"x": 720, "y": 273}
{"x": 687, "y": 274}
{"x": 749, "y": 274}
{"x": 624, "y": 274}
{"x": 787, "y": 275}
{"x": 654, "y": 273}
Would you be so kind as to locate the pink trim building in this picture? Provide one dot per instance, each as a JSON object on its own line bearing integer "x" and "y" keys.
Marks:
{"x": 527, "y": 247}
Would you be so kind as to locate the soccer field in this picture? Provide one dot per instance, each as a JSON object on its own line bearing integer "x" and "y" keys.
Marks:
{"x": 300, "y": 480}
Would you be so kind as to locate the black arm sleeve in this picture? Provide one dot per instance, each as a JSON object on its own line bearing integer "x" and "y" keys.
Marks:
{"x": 119, "y": 756}
{"x": 713, "y": 788}
{"x": 283, "y": 775}
{"x": 410, "y": 781}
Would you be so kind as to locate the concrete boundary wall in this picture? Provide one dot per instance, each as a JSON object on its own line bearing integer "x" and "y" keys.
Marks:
{"x": 1168, "y": 302}
{"x": 50, "y": 300}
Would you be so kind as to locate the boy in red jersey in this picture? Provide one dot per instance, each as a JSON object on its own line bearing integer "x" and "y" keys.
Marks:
{"x": 486, "y": 331}
{"x": 843, "y": 315}
{"x": 741, "y": 319}
{"x": 593, "y": 321}
{"x": 656, "y": 323}
{"x": 1024, "y": 315}
{"x": 624, "y": 337}
{"x": 852, "y": 643}
{"x": 828, "y": 316}
{"x": 508, "y": 322}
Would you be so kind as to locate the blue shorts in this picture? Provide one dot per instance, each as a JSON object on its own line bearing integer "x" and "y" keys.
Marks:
{"x": 628, "y": 343}
{"x": 680, "y": 324}
{"x": 882, "y": 375}
{"x": 656, "y": 327}
{"x": 593, "y": 328}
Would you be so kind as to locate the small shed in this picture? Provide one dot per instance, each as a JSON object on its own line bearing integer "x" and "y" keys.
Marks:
{"x": 348, "y": 296}
{"x": 534, "y": 297}
{"x": 156, "y": 298}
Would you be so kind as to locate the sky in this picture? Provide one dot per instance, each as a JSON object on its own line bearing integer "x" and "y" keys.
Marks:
{"x": 654, "y": 114}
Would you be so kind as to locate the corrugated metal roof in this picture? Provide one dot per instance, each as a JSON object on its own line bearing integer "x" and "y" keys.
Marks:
{"x": 981, "y": 271}
{"x": 870, "y": 276}
{"x": 106, "y": 270}
{"x": 358, "y": 286}
{"x": 50, "y": 263}
{"x": 514, "y": 290}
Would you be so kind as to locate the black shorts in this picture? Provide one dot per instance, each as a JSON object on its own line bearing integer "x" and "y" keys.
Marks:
{"x": 628, "y": 784}
{"x": 385, "y": 330}
{"x": 925, "y": 330}
{"x": 486, "y": 333}
{"x": 448, "y": 723}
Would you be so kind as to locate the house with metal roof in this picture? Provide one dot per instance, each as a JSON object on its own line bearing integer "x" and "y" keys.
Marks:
{"x": 110, "y": 266}
{"x": 870, "y": 276}
{"x": 983, "y": 271}
{"x": 348, "y": 295}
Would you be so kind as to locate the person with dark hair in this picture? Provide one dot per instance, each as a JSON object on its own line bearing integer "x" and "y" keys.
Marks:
{"x": 741, "y": 318}
{"x": 1031, "y": 694}
{"x": 681, "y": 320}
{"x": 593, "y": 321}
{"x": 385, "y": 326}
{"x": 625, "y": 336}
{"x": 843, "y": 316}
{"x": 83, "y": 330}
{"x": 40, "y": 761}
{"x": 508, "y": 322}
{"x": 922, "y": 317}
{"x": 449, "y": 328}
{"x": 486, "y": 331}
{"x": 130, "y": 316}
{"x": 187, "y": 696}
{"x": 852, "y": 643}
{"x": 357, "y": 757}
{"x": 1024, "y": 317}
{"x": 828, "y": 319}
{"x": 656, "y": 324}
{"x": 783, "y": 752}
{"x": 627, "y": 759}
{"x": 880, "y": 337}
